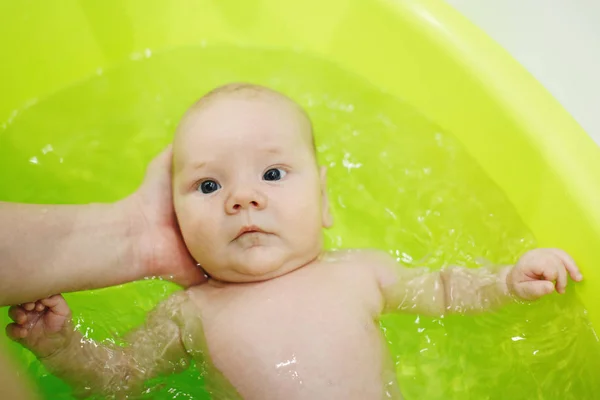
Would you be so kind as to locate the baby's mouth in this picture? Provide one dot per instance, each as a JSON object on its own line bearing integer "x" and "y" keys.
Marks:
{"x": 248, "y": 229}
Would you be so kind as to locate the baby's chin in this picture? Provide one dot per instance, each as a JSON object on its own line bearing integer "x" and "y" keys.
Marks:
{"x": 259, "y": 265}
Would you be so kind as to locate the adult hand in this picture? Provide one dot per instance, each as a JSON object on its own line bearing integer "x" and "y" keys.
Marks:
{"x": 162, "y": 251}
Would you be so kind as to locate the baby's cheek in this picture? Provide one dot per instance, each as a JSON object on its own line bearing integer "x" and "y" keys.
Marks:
{"x": 197, "y": 225}
{"x": 203, "y": 247}
{"x": 306, "y": 209}
{"x": 305, "y": 219}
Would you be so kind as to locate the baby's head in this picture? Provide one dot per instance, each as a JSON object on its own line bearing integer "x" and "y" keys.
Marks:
{"x": 249, "y": 196}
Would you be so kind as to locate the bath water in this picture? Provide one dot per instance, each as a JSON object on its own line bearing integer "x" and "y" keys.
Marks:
{"x": 397, "y": 182}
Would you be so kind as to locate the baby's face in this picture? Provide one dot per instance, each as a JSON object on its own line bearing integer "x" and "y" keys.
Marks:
{"x": 249, "y": 196}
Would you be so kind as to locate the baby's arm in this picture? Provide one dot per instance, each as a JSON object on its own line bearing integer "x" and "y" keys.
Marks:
{"x": 88, "y": 367}
{"x": 466, "y": 290}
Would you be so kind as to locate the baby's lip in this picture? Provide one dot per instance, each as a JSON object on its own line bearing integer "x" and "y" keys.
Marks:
{"x": 249, "y": 229}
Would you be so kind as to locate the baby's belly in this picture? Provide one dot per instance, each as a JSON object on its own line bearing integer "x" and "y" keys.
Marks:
{"x": 287, "y": 351}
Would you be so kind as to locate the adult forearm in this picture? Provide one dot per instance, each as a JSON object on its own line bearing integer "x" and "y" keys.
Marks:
{"x": 49, "y": 249}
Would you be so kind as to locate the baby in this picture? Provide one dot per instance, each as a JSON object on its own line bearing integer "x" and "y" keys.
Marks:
{"x": 279, "y": 318}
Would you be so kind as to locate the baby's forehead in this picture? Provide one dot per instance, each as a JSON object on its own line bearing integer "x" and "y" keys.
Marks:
{"x": 242, "y": 109}
{"x": 250, "y": 104}
{"x": 249, "y": 94}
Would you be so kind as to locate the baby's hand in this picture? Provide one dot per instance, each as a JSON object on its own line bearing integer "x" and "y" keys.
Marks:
{"x": 42, "y": 326}
{"x": 539, "y": 271}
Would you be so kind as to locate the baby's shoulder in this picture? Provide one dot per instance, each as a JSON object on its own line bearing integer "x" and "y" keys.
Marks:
{"x": 359, "y": 272}
{"x": 382, "y": 266}
{"x": 363, "y": 264}
{"x": 182, "y": 304}
{"x": 195, "y": 296}
{"x": 171, "y": 308}
{"x": 359, "y": 257}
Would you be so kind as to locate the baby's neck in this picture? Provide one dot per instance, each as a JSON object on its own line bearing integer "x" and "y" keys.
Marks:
{"x": 215, "y": 282}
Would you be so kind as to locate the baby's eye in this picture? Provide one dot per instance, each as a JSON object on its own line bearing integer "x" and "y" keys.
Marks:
{"x": 209, "y": 186}
{"x": 274, "y": 174}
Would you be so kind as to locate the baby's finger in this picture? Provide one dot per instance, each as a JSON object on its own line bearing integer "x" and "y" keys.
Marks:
{"x": 29, "y": 306}
{"x": 569, "y": 264}
{"x": 16, "y": 332}
{"x": 58, "y": 305}
{"x": 550, "y": 272}
{"x": 535, "y": 289}
{"x": 39, "y": 306}
{"x": 17, "y": 314}
{"x": 561, "y": 279}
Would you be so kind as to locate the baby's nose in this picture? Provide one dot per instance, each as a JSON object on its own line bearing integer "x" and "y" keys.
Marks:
{"x": 245, "y": 199}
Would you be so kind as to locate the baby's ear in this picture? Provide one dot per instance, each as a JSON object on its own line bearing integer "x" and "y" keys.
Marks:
{"x": 325, "y": 212}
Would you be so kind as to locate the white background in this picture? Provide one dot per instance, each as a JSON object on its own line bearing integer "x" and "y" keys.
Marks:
{"x": 558, "y": 41}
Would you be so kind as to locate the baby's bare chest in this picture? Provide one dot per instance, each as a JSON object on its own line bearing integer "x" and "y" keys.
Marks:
{"x": 303, "y": 334}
